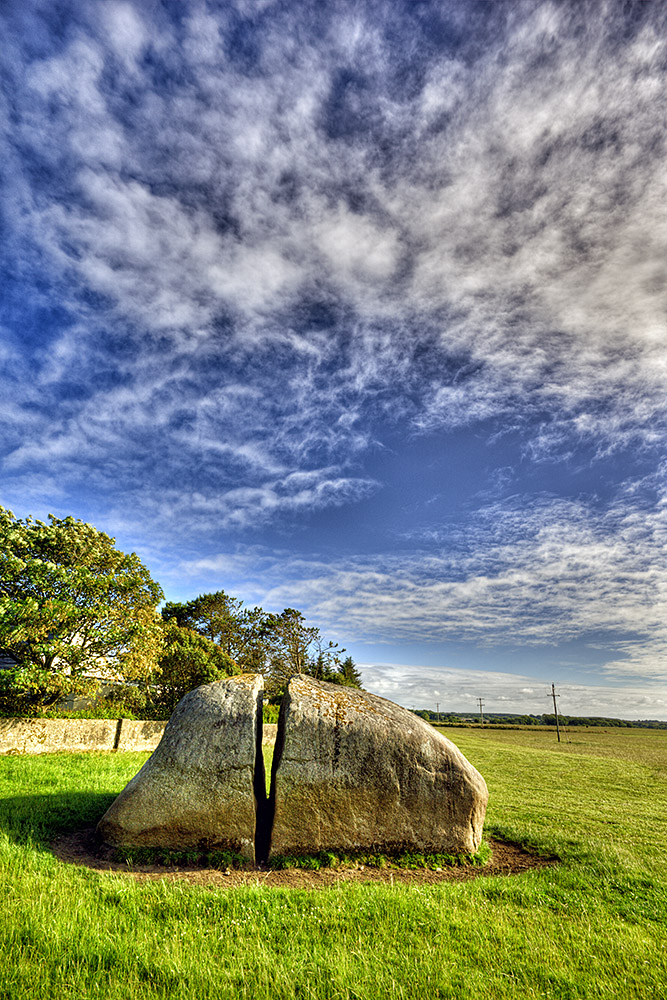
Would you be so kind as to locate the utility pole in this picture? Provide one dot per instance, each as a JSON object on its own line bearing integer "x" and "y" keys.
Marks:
{"x": 481, "y": 710}
{"x": 437, "y": 709}
{"x": 554, "y": 696}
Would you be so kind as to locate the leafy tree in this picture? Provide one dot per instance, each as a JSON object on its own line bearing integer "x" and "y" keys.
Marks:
{"x": 328, "y": 667}
{"x": 215, "y": 616}
{"x": 238, "y": 631}
{"x": 323, "y": 668}
{"x": 290, "y": 644}
{"x": 276, "y": 645}
{"x": 291, "y": 641}
{"x": 72, "y": 603}
{"x": 297, "y": 648}
{"x": 188, "y": 660}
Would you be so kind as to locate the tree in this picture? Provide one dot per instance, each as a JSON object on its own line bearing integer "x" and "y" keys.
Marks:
{"x": 238, "y": 631}
{"x": 277, "y": 646}
{"x": 349, "y": 675}
{"x": 289, "y": 642}
{"x": 215, "y": 616}
{"x": 297, "y": 648}
{"x": 188, "y": 660}
{"x": 71, "y": 603}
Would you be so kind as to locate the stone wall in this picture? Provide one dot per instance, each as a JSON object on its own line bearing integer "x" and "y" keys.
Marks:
{"x": 138, "y": 735}
{"x": 52, "y": 735}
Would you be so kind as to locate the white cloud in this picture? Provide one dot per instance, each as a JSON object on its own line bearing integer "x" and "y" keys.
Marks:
{"x": 358, "y": 249}
{"x": 258, "y": 264}
{"x": 540, "y": 577}
{"x": 534, "y": 222}
{"x": 458, "y": 690}
{"x": 124, "y": 29}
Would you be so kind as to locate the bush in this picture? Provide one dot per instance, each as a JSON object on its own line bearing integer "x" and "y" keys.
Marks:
{"x": 30, "y": 690}
{"x": 188, "y": 660}
{"x": 270, "y": 713}
{"x": 126, "y": 701}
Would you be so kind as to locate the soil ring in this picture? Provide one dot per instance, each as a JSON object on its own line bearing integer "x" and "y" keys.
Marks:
{"x": 82, "y": 848}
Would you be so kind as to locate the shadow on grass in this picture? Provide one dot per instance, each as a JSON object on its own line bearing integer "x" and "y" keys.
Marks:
{"x": 37, "y": 819}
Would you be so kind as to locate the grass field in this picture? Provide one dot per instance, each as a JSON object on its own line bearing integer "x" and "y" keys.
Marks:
{"x": 593, "y": 926}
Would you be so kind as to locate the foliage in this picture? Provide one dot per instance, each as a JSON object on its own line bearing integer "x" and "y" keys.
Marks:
{"x": 220, "y": 618}
{"x": 293, "y": 647}
{"x": 188, "y": 660}
{"x": 270, "y": 713}
{"x": 276, "y": 645}
{"x": 297, "y": 648}
{"x": 71, "y": 603}
{"x": 215, "y": 616}
{"x": 105, "y": 708}
{"x": 29, "y": 690}
{"x": 129, "y": 701}
{"x": 349, "y": 675}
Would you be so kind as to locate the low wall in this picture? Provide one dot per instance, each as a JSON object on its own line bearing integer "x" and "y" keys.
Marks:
{"x": 139, "y": 735}
{"x": 51, "y": 735}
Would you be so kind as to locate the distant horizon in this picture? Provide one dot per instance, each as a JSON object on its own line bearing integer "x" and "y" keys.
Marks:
{"x": 459, "y": 691}
{"x": 471, "y": 717}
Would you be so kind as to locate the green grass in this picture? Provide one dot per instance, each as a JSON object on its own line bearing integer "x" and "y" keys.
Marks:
{"x": 593, "y": 926}
{"x": 168, "y": 858}
{"x": 404, "y": 860}
{"x": 267, "y": 754}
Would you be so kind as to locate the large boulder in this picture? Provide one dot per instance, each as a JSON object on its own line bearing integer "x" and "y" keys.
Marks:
{"x": 354, "y": 771}
{"x": 204, "y": 782}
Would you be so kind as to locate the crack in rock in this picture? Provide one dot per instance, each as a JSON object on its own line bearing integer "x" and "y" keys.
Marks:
{"x": 350, "y": 771}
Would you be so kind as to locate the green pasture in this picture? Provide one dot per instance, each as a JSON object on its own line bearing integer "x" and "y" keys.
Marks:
{"x": 593, "y": 926}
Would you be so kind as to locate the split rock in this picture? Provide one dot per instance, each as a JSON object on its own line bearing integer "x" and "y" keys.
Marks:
{"x": 353, "y": 771}
{"x": 200, "y": 787}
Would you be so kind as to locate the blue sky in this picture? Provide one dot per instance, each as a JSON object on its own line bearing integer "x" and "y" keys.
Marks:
{"x": 355, "y": 307}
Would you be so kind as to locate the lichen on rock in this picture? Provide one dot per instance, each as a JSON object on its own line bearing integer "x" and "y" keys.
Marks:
{"x": 351, "y": 771}
{"x": 202, "y": 785}
{"x": 354, "y": 771}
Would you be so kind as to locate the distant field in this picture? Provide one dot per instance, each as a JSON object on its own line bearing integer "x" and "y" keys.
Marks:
{"x": 594, "y": 926}
{"x": 619, "y": 743}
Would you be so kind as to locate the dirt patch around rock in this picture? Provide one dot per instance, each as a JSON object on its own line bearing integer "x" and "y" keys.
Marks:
{"x": 82, "y": 848}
